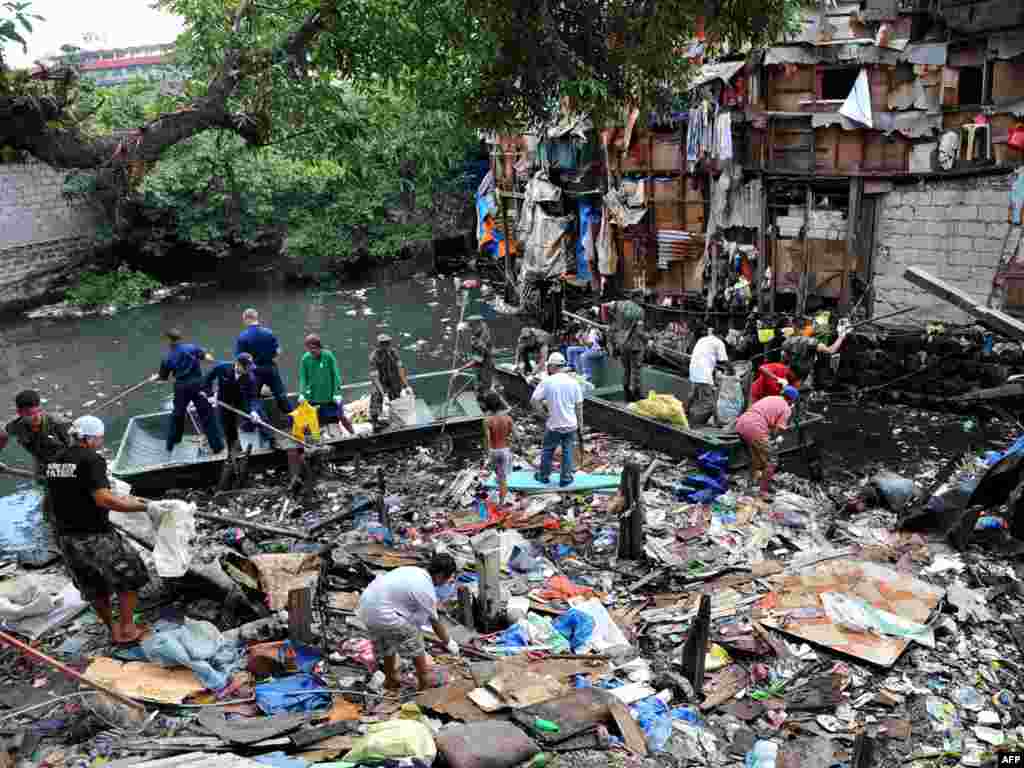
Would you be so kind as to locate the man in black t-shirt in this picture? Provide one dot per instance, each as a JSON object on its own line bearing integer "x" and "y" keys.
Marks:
{"x": 43, "y": 437}
{"x": 100, "y": 562}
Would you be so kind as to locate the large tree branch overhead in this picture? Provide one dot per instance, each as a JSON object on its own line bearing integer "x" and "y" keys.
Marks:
{"x": 35, "y": 125}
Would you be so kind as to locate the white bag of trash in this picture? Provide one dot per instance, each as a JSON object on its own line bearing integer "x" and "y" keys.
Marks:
{"x": 22, "y": 598}
{"x": 730, "y": 401}
{"x": 174, "y": 526}
{"x": 402, "y": 410}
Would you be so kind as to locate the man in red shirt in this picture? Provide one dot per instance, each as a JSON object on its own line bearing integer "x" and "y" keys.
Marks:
{"x": 771, "y": 379}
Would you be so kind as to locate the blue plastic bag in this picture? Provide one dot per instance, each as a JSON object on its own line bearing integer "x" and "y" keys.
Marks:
{"x": 590, "y": 218}
{"x": 655, "y": 720}
{"x": 576, "y": 626}
{"x": 287, "y": 694}
{"x": 713, "y": 461}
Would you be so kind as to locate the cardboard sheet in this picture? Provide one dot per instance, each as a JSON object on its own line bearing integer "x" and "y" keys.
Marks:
{"x": 142, "y": 680}
{"x": 796, "y": 607}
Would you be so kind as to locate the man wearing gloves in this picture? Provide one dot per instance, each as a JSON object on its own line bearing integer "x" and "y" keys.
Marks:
{"x": 236, "y": 387}
{"x": 395, "y": 607}
{"x": 320, "y": 385}
{"x": 101, "y": 564}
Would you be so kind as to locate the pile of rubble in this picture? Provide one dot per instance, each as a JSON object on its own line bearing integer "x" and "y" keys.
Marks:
{"x": 679, "y": 619}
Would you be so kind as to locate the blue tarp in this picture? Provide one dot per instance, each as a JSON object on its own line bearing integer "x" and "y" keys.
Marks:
{"x": 297, "y": 693}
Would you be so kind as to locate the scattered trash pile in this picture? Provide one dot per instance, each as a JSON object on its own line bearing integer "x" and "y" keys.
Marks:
{"x": 673, "y": 618}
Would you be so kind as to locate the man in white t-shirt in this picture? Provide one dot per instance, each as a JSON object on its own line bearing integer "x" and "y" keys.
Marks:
{"x": 707, "y": 353}
{"x": 395, "y": 607}
{"x": 560, "y": 395}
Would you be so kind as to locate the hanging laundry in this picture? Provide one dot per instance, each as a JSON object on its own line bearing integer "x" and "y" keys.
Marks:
{"x": 723, "y": 136}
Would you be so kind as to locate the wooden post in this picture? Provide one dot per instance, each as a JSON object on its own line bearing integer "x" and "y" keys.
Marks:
{"x": 300, "y": 616}
{"x": 488, "y": 565}
{"x": 631, "y": 522}
{"x": 466, "y": 608}
{"x": 696, "y": 647}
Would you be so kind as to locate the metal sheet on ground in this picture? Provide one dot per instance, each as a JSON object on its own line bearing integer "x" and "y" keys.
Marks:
{"x": 576, "y": 713}
{"x": 249, "y": 730}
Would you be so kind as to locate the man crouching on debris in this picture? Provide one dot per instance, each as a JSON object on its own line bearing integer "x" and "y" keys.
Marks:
{"x": 395, "y": 606}
{"x": 100, "y": 562}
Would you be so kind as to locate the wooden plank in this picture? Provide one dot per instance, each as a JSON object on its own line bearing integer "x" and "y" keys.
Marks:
{"x": 993, "y": 319}
{"x": 300, "y": 616}
{"x": 632, "y": 733}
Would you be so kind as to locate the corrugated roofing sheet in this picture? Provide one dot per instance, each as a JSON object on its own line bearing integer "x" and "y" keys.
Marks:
{"x": 840, "y": 52}
{"x": 725, "y": 72}
{"x": 1007, "y": 44}
{"x": 926, "y": 53}
{"x": 913, "y": 124}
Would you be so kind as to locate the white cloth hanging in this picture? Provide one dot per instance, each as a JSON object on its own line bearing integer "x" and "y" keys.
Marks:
{"x": 857, "y": 106}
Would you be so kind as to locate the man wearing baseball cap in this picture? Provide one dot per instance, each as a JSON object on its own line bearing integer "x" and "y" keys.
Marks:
{"x": 43, "y": 436}
{"x": 561, "y": 395}
{"x": 101, "y": 564}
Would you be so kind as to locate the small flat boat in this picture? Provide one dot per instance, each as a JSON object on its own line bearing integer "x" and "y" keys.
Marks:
{"x": 142, "y": 459}
{"x": 605, "y": 409}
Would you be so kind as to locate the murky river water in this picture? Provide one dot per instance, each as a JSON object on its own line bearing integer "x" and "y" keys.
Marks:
{"x": 79, "y": 363}
{"x": 73, "y": 363}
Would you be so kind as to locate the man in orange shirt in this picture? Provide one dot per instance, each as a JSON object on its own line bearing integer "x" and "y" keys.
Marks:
{"x": 771, "y": 379}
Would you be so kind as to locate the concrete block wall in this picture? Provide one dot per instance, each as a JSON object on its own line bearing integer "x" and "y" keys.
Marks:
{"x": 952, "y": 228}
{"x": 42, "y": 237}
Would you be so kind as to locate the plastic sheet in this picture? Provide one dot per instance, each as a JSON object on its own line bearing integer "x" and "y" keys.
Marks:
{"x": 577, "y": 627}
{"x": 655, "y": 719}
{"x": 197, "y": 645}
{"x": 297, "y": 693}
{"x": 730, "y": 401}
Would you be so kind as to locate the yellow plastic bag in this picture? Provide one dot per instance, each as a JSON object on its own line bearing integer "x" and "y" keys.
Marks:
{"x": 666, "y": 408}
{"x": 393, "y": 739}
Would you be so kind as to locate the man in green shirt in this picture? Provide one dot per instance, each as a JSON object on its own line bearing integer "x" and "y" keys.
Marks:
{"x": 320, "y": 384}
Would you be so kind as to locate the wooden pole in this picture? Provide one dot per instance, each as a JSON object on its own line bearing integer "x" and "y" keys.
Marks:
{"x": 17, "y": 471}
{"x": 51, "y": 662}
{"x": 275, "y": 430}
{"x": 300, "y": 616}
{"x": 124, "y": 394}
{"x": 253, "y": 526}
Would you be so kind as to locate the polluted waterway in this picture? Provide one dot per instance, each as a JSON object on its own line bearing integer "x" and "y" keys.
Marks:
{"x": 81, "y": 363}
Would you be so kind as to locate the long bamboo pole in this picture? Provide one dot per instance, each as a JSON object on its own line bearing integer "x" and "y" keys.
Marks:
{"x": 52, "y": 662}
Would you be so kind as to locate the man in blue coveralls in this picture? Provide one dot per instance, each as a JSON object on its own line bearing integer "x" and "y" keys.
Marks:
{"x": 261, "y": 343}
{"x": 183, "y": 361}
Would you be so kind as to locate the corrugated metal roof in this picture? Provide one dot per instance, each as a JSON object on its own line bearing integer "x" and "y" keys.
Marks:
{"x": 1007, "y": 44}
{"x": 926, "y": 53}
{"x": 724, "y": 71}
{"x": 912, "y": 124}
{"x": 840, "y": 52}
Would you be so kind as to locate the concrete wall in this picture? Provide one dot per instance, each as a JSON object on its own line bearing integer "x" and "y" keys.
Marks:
{"x": 952, "y": 228}
{"x": 41, "y": 237}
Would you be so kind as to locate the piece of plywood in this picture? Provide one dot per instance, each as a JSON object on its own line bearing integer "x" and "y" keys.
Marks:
{"x": 796, "y": 607}
{"x": 453, "y": 700}
{"x": 142, "y": 680}
{"x": 632, "y": 733}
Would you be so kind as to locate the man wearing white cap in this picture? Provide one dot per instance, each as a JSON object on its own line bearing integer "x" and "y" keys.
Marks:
{"x": 561, "y": 395}
{"x": 100, "y": 563}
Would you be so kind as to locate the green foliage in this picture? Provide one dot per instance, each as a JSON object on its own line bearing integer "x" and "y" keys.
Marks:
{"x": 222, "y": 193}
{"x": 123, "y": 288}
{"x": 15, "y": 20}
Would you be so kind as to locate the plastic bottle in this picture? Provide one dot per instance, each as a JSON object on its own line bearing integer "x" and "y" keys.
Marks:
{"x": 764, "y": 755}
{"x": 537, "y": 761}
{"x": 989, "y": 522}
{"x": 546, "y": 726}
